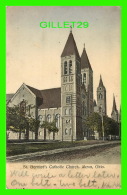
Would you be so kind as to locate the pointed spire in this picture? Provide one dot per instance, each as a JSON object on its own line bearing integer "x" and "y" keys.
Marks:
{"x": 70, "y": 29}
{"x": 70, "y": 47}
{"x": 84, "y": 60}
{"x": 84, "y": 45}
{"x": 114, "y": 108}
{"x": 101, "y": 82}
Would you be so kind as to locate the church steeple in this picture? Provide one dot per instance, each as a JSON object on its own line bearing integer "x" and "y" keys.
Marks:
{"x": 71, "y": 91}
{"x": 85, "y": 60}
{"x": 101, "y": 97}
{"x": 114, "y": 108}
{"x": 114, "y": 113}
{"x": 70, "y": 47}
{"x": 87, "y": 79}
{"x": 101, "y": 82}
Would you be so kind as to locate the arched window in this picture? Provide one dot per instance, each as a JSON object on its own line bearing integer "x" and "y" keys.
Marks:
{"x": 100, "y": 96}
{"x": 23, "y": 107}
{"x": 66, "y": 131}
{"x": 57, "y": 120}
{"x": 49, "y": 118}
{"x": 100, "y": 108}
{"x": 65, "y": 79}
{"x": 70, "y": 67}
{"x": 40, "y": 119}
{"x": 65, "y": 67}
{"x": 66, "y": 111}
{"x": 84, "y": 78}
{"x": 40, "y": 133}
{"x": 68, "y": 121}
{"x": 68, "y": 99}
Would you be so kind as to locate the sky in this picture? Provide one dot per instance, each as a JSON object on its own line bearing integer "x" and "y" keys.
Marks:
{"x": 33, "y": 53}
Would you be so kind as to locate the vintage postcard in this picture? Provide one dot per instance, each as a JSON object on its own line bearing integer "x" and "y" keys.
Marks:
{"x": 63, "y": 97}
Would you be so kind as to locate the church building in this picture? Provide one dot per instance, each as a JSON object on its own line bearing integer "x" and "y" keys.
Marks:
{"x": 69, "y": 104}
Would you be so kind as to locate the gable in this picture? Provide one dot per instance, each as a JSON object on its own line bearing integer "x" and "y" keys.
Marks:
{"x": 48, "y": 98}
{"x": 23, "y": 93}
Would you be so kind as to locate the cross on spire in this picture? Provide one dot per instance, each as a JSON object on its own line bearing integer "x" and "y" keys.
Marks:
{"x": 70, "y": 46}
{"x": 101, "y": 82}
{"x": 70, "y": 29}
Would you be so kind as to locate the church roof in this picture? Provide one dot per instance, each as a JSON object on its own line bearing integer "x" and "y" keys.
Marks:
{"x": 85, "y": 63}
{"x": 70, "y": 47}
{"x": 37, "y": 92}
{"x": 51, "y": 98}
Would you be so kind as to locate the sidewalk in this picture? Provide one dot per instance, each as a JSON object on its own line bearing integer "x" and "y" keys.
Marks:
{"x": 55, "y": 151}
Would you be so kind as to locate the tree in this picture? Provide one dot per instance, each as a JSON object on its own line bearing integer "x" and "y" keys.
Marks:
{"x": 18, "y": 121}
{"x": 34, "y": 125}
{"x": 51, "y": 126}
{"x": 94, "y": 122}
{"x": 111, "y": 127}
{"x": 45, "y": 125}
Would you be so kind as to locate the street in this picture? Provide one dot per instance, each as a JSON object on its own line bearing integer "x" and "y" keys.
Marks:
{"x": 101, "y": 154}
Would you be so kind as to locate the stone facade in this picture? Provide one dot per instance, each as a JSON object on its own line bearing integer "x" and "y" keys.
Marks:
{"x": 70, "y": 104}
{"x": 71, "y": 91}
{"x": 49, "y": 115}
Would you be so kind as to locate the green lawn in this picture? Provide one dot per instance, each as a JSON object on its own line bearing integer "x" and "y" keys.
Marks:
{"x": 14, "y": 149}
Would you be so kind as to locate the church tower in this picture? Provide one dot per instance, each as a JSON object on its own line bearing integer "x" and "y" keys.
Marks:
{"x": 114, "y": 113}
{"x": 71, "y": 91}
{"x": 87, "y": 80}
{"x": 101, "y": 98}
